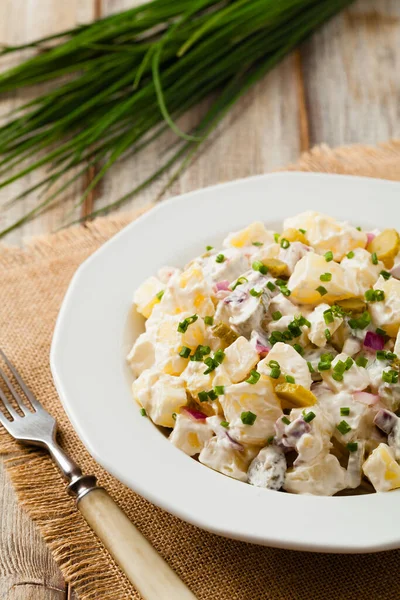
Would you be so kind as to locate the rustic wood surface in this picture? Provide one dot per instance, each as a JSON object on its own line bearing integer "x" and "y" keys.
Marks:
{"x": 341, "y": 87}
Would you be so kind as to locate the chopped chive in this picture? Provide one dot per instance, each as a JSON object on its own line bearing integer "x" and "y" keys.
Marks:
{"x": 203, "y": 396}
{"x": 285, "y": 291}
{"x": 285, "y": 243}
{"x": 211, "y": 364}
{"x": 294, "y": 329}
{"x": 324, "y": 365}
{"x": 219, "y": 356}
{"x": 239, "y": 281}
{"x": 358, "y": 228}
{"x": 253, "y": 377}
{"x": 280, "y": 282}
{"x": 350, "y": 254}
{"x": 143, "y": 412}
{"x": 385, "y": 274}
{"x": 381, "y": 355}
{"x": 220, "y": 258}
{"x": 362, "y": 361}
{"x": 381, "y": 332}
{"x": 248, "y": 418}
{"x": 340, "y": 367}
{"x": 344, "y": 411}
{"x": 274, "y": 364}
{"x": 257, "y": 243}
{"x": 270, "y": 440}
{"x": 303, "y": 231}
{"x": 391, "y": 355}
{"x": 310, "y": 416}
{"x": 310, "y": 367}
{"x": 260, "y": 267}
{"x": 337, "y": 376}
{"x": 271, "y": 286}
{"x": 321, "y": 290}
{"x": 183, "y": 325}
{"x": 300, "y": 320}
{"x": 185, "y": 352}
{"x": 327, "y": 334}
{"x": 369, "y": 295}
{"x": 275, "y": 373}
{"x": 212, "y": 395}
{"x": 349, "y": 362}
{"x": 328, "y": 357}
{"x": 374, "y": 258}
{"x": 343, "y": 427}
{"x": 328, "y": 256}
{"x": 200, "y": 353}
{"x": 390, "y": 376}
{"x": 209, "y": 320}
{"x": 224, "y": 424}
{"x": 255, "y": 293}
{"x": 374, "y": 295}
{"x": 208, "y": 248}
{"x": 328, "y": 316}
{"x": 276, "y": 237}
{"x": 352, "y": 446}
{"x": 174, "y": 415}
{"x": 219, "y": 390}
{"x": 361, "y": 322}
{"x": 286, "y": 336}
{"x": 276, "y": 336}
{"x": 160, "y": 294}
{"x": 325, "y": 276}
{"x": 285, "y": 420}
{"x": 299, "y": 349}
{"x": 290, "y": 379}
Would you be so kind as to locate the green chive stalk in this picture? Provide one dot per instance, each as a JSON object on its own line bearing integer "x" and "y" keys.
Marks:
{"x": 128, "y": 77}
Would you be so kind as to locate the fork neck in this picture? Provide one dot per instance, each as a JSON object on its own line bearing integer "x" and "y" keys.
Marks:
{"x": 78, "y": 483}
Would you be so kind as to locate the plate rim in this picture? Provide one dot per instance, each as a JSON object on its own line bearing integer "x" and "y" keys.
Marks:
{"x": 112, "y": 468}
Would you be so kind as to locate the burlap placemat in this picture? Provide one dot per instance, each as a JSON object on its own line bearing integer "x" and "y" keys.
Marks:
{"x": 32, "y": 285}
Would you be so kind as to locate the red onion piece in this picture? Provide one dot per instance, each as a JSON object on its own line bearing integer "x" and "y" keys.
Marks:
{"x": 261, "y": 349}
{"x": 395, "y": 271}
{"x": 386, "y": 420}
{"x": 370, "y": 237}
{"x": 222, "y": 285}
{"x": 236, "y": 445}
{"x": 366, "y": 398}
{"x": 196, "y": 414}
{"x": 374, "y": 340}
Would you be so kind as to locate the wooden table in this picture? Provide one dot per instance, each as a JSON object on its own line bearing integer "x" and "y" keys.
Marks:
{"x": 341, "y": 87}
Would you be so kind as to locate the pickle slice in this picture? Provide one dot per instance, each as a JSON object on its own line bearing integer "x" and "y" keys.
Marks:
{"x": 293, "y": 395}
{"x": 386, "y": 245}
{"x": 224, "y": 333}
{"x": 295, "y": 235}
{"x": 353, "y": 305}
{"x": 276, "y": 267}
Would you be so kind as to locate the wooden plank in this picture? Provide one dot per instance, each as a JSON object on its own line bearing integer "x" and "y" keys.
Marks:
{"x": 22, "y": 21}
{"x": 351, "y": 72}
{"x": 27, "y": 569}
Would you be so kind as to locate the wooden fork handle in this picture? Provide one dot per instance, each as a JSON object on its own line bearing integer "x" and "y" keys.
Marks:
{"x": 137, "y": 558}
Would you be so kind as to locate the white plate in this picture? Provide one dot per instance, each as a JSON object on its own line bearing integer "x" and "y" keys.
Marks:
{"x": 93, "y": 335}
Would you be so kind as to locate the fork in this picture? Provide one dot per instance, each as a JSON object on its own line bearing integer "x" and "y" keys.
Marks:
{"x": 134, "y": 554}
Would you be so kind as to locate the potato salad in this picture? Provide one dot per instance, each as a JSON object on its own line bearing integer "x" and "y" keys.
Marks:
{"x": 275, "y": 358}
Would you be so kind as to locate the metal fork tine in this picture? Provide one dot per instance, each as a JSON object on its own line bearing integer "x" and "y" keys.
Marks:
{"x": 8, "y": 406}
{"x": 28, "y": 393}
{"x": 15, "y": 394}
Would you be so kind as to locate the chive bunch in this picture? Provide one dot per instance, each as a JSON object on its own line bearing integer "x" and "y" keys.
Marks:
{"x": 128, "y": 77}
